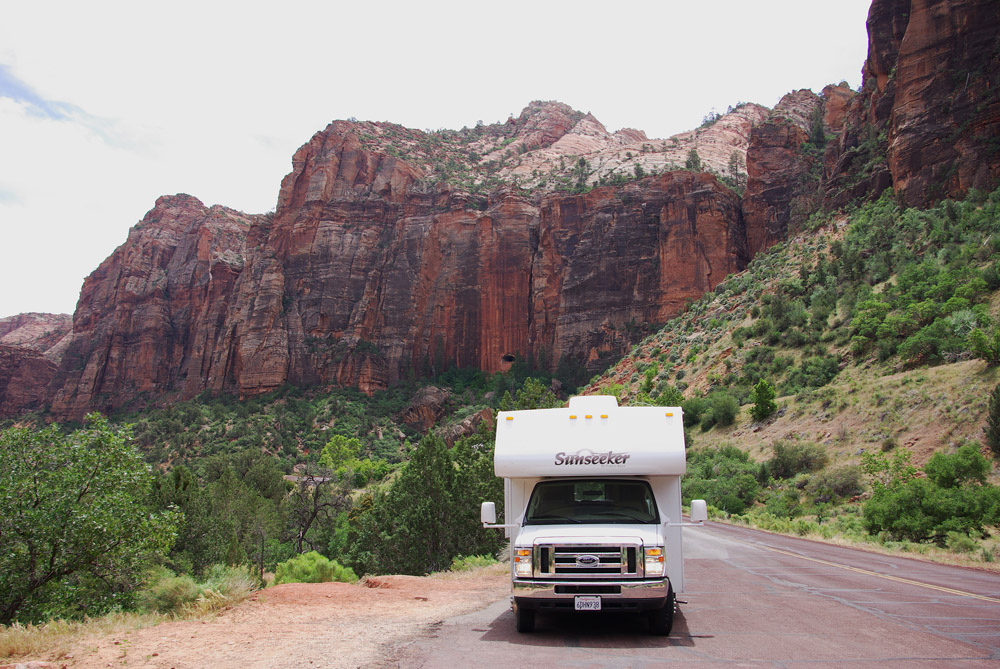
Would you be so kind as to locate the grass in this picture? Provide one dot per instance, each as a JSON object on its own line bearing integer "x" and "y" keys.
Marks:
{"x": 984, "y": 556}
{"x": 57, "y": 637}
{"x": 224, "y": 588}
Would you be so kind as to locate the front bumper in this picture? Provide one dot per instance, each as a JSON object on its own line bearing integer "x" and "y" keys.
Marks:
{"x": 626, "y": 596}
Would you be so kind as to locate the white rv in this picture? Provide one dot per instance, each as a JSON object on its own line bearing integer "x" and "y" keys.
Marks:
{"x": 592, "y": 504}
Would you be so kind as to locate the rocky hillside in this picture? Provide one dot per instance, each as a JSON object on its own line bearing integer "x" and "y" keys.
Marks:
{"x": 395, "y": 252}
{"x": 31, "y": 347}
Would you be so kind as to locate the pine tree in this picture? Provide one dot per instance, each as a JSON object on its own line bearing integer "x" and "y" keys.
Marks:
{"x": 762, "y": 395}
{"x": 693, "y": 161}
{"x": 992, "y": 429}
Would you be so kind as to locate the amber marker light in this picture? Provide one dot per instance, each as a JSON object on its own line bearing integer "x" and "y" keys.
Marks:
{"x": 522, "y": 562}
{"x": 654, "y": 561}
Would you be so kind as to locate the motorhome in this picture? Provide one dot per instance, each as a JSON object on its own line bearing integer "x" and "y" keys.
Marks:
{"x": 592, "y": 506}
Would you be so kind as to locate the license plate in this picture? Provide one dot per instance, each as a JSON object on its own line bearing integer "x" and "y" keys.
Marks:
{"x": 587, "y": 603}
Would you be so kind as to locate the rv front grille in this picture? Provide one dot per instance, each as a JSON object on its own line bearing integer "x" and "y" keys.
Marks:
{"x": 588, "y": 561}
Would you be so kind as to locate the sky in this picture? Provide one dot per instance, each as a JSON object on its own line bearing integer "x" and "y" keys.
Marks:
{"x": 105, "y": 106}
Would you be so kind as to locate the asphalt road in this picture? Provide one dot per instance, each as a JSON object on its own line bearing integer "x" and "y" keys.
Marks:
{"x": 755, "y": 599}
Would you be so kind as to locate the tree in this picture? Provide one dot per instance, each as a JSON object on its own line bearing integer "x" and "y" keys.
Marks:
{"x": 339, "y": 452}
{"x": 693, "y": 161}
{"x": 986, "y": 346}
{"x": 316, "y": 498}
{"x": 953, "y": 498}
{"x": 992, "y": 430}
{"x": 817, "y": 130}
{"x": 886, "y": 473}
{"x": 407, "y": 529}
{"x": 762, "y": 395}
{"x": 430, "y": 514}
{"x": 74, "y": 513}
{"x": 532, "y": 395}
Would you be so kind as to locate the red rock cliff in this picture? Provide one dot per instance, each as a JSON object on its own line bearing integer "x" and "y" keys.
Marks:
{"x": 927, "y": 120}
{"x": 357, "y": 289}
{"x": 148, "y": 319}
{"x": 366, "y": 273}
{"x": 31, "y": 346}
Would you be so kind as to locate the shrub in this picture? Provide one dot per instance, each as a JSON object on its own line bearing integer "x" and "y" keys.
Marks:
{"x": 953, "y": 498}
{"x": 986, "y": 346}
{"x": 167, "y": 592}
{"x": 725, "y": 478}
{"x": 920, "y": 510}
{"x": 791, "y": 458}
{"x": 960, "y": 543}
{"x": 312, "y": 567}
{"x": 468, "y": 562}
{"x": 783, "y": 503}
{"x": 722, "y": 409}
{"x": 992, "y": 430}
{"x": 843, "y": 481}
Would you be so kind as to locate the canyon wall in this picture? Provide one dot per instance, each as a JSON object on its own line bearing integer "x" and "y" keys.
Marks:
{"x": 926, "y": 122}
{"x": 361, "y": 279}
{"x": 395, "y": 253}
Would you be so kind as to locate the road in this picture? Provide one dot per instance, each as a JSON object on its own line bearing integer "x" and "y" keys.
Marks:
{"x": 756, "y": 599}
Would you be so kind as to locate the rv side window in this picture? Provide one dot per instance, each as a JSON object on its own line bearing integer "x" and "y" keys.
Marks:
{"x": 591, "y": 501}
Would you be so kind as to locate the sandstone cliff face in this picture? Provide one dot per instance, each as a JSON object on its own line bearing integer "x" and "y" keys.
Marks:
{"x": 44, "y": 333}
{"x": 149, "y": 317}
{"x": 358, "y": 290}
{"x": 783, "y": 177}
{"x": 395, "y": 252}
{"x": 24, "y": 377}
{"x": 620, "y": 153}
{"x": 927, "y": 120}
{"x": 31, "y": 346}
{"x": 366, "y": 274}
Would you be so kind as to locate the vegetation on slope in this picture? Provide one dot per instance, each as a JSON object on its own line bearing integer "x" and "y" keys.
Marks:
{"x": 86, "y": 527}
{"x": 879, "y": 332}
{"x": 807, "y": 382}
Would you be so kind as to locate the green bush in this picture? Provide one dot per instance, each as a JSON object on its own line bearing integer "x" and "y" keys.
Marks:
{"x": 791, "y": 458}
{"x": 720, "y": 408}
{"x": 468, "y": 562}
{"x": 953, "y": 498}
{"x": 992, "y": 430}
{"x": 838, "y": 482}
{"x": 960, "y": 543}
{"x": 312, "y": 567}
{"x": 724, "y": 477}
{"x": 166, "y": 592}
{"x": 783, "y": 503}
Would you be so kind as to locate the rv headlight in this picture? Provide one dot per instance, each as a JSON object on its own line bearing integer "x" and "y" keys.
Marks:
{"x": 655, "y": 563}
{"x": 522, "y": 562}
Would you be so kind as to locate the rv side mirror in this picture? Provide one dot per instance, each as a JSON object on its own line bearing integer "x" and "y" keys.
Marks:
{"x": 699, "y": 511}
{"x": 488, "y": 513}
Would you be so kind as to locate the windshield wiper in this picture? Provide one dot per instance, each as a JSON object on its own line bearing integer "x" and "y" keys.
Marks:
{"x": 624, "y": 514}
{"x": 550, "y": 517}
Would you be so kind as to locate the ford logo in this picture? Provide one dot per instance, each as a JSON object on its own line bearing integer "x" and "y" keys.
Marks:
{"x": 587, "y": 560}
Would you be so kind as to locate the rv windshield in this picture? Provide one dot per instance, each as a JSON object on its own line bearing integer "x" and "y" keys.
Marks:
{"x": 591, "y": 501}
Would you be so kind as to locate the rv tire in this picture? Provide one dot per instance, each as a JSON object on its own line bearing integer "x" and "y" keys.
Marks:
{"x": 661, "y": 621}
{"x": 525, "y": 619}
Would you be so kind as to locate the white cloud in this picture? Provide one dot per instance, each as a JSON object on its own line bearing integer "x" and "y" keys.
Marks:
{"x": 212, "y": 98}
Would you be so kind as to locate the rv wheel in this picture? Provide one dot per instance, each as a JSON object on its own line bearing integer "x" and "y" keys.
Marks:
{"x": 661, "y": 621}
{"x": 525, "y": 619}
